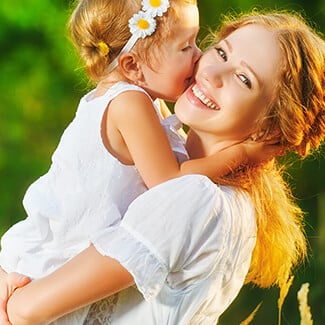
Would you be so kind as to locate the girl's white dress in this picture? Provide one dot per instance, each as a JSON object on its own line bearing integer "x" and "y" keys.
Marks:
{"x": 85, "y": 190}
{"x": 187, "y": 242}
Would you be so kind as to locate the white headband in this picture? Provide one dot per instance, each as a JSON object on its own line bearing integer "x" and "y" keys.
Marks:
{"x": 142, "y": 24}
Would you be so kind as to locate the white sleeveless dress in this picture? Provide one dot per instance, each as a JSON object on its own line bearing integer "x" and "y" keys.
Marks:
{"x": 85, "y": 190}
{"x": 187, "y": 242}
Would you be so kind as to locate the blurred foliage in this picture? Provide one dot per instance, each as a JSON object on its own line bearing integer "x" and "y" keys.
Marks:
{"x": 40, "y": 86}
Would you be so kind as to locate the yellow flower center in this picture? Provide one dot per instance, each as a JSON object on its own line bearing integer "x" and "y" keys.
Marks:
{"x": 155, "y": 3}
{"x": 143, "y": 24}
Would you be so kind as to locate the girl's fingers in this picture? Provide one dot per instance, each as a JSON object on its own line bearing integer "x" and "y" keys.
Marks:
{"x": 8, "y": 284}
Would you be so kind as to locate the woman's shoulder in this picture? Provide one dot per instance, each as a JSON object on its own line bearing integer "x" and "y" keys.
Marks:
{"x": 177, "y": 191}
{"x": 199, "y": 188}
{"x": 192, "y": 189}
{"x": 188, "y": 219}
{"x": 191, "y": 201}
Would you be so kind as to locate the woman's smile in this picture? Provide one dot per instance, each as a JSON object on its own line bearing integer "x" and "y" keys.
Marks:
{"x": 197, "y": 96}
{"x": 198, "y": 93}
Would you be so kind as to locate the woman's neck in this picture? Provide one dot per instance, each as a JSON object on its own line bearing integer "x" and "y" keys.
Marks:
{"x": 200, "y": 144}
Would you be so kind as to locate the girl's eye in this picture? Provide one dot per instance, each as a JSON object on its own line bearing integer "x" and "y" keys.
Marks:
{"x": 222, "y": 53}
{"x": 186, "y": 48}
{"x": 245, "y": 80}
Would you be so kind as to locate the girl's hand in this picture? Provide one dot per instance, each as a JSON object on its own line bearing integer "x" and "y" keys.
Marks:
{"x": 8, "y": 284}
{"x": 259, "y": 152}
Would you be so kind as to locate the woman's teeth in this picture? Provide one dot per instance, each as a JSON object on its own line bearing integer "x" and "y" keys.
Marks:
{"x": 206, "y": 101}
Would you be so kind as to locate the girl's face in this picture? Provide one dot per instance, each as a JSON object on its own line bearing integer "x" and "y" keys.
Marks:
{"x": 173, "y": 74}
{"x": 234, "y": 83}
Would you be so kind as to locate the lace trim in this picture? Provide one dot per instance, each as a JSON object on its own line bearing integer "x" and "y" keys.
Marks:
{"x": 100, "y": 313}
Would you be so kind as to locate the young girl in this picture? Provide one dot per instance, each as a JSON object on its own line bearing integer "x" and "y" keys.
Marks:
{"x": 189, "y": 244}
{"x": 115, "y": 148}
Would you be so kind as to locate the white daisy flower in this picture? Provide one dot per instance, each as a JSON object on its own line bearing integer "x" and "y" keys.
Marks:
{"x": 155, "y": 7}
{"x": 142, "y": 24}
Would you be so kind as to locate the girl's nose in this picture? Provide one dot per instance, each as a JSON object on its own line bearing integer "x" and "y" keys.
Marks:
{"x": 197, "y": 54}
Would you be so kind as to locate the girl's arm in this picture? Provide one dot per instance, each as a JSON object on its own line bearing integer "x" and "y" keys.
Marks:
{"x": 227, "y": 160}
{"x": 8, "y": 284}
{"x": 218, "y": 164}
{"x": 138, "y": 125}
{"x": 87, "y": 278}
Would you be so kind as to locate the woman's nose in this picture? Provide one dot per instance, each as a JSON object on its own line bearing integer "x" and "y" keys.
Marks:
{"x": 213, "y": 76}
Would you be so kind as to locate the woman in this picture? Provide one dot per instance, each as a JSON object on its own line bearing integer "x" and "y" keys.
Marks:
{"x": 189, "y": 245}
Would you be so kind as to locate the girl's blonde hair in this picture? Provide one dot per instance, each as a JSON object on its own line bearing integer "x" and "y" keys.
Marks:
{"x": 298, "y": 114}
{"x": 97, "y": 22}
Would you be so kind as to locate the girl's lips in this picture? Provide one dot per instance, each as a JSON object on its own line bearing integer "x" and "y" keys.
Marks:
{"x": 196, "y": 96}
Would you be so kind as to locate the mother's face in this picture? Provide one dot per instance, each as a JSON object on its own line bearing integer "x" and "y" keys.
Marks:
{"x": 233, "y": 85}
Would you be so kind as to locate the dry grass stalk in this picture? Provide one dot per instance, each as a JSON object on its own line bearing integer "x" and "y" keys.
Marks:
{"x": 251, "y": 316}
{"x": 305, "y": 314}
{"x": 284, "y": 289}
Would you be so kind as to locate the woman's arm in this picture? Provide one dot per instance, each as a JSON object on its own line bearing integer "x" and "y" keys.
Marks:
{"x": 87, "y": 278}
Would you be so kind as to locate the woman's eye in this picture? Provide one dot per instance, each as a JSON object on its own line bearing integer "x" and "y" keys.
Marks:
{"x": 222, "y": 53}
{"x": 245, "y": 80}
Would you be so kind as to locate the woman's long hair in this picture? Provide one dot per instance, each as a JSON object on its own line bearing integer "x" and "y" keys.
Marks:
{"x": 297, "y": 114}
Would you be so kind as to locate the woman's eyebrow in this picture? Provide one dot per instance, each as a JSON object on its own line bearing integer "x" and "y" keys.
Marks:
{"x": 245, "y": 64}
{"x": 251, "y": 70}
{"x": 228, "y": 45}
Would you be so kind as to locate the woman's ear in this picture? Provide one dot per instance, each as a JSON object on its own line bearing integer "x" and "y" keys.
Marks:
{"x": 130, "y": 67}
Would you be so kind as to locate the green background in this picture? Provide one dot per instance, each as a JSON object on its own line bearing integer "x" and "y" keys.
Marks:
{"x": 40, "y": 86}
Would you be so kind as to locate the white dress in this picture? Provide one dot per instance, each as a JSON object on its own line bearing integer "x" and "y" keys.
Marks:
{"x": 85, "y": 190}
{"x": 188, "y": 244}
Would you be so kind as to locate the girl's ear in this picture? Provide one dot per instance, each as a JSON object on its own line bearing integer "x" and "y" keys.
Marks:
{"x": 130, "y": 67}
